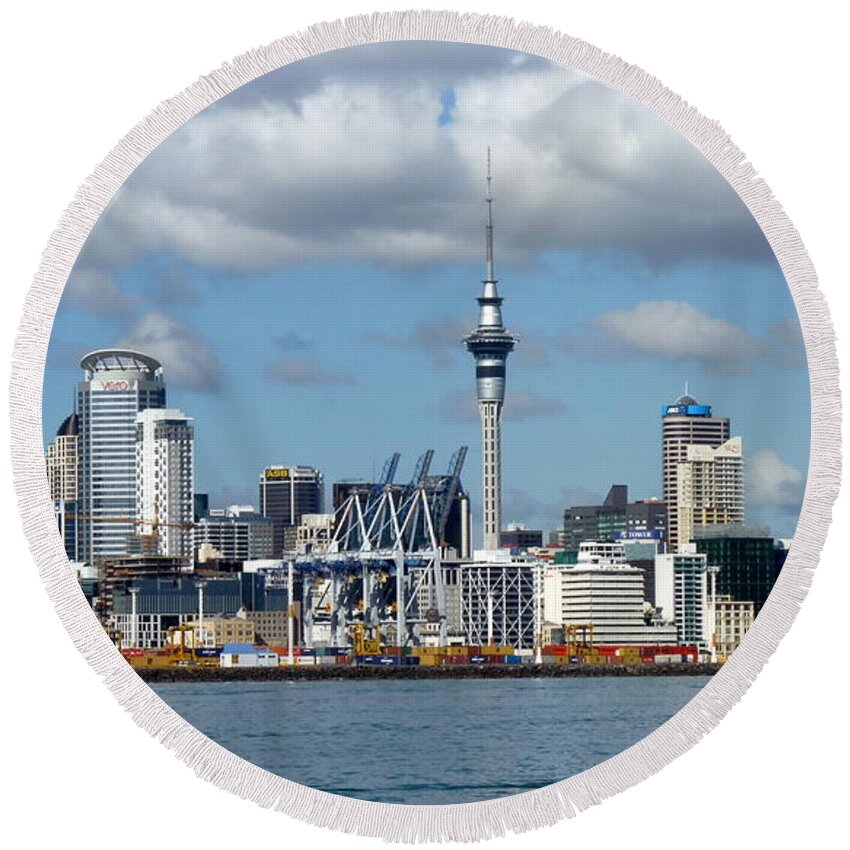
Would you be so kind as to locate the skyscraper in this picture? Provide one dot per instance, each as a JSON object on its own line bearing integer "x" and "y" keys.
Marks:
{"x": 165, "y": 467}
{"x": 491, "y": 344}
{"x": 286, "y": 494}
{"x": 710, "y": 488}
{"x": 685, "y": 423}
{"x": 62, "y": 461}
{"x": 118, "y": 385}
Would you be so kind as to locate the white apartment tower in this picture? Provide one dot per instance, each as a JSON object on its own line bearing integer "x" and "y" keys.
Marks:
{"x": 165, "y": 463}
{"x": 681, "y": 591}
{"x": 710, "y": 488}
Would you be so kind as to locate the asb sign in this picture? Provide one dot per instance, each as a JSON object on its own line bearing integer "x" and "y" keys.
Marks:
{"x": 272, "y": 474}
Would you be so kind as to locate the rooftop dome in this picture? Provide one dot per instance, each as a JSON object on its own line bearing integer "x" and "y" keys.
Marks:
{"x": 119, "y": 359}
{"x": 69, "y": 427}
{"x": 686, "y": 399}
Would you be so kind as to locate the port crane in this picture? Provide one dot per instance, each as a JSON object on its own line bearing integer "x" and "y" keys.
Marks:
{"x": 382, "y": 569}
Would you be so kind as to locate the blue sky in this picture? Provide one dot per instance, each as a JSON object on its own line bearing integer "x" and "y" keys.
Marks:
{"x": 304, "y": 257}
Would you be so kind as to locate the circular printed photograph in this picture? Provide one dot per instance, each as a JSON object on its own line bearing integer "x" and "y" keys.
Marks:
{"x": 426, "y": 422}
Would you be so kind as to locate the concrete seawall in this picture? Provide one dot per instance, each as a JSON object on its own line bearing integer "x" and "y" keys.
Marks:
{"x": 339, "y": 672}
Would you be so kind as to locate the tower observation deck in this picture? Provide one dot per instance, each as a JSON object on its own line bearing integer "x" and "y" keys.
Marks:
{"x": 490, "y": 345}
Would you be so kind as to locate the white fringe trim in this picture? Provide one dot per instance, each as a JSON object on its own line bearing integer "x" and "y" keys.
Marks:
{"x": 468, "y": 821}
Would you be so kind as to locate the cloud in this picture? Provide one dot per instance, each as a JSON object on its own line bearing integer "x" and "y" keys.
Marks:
{"x": 774, "y": 484}
{"x": 65, "y": 353}
{"x": 442, "y": 338}
{"x": 95, "y": 291}
{"x": 394, "y": 64}
{"x": 785, "y": 346}
{"x": 292, "y": 341}
{"x": 345, "y": 158}
{"x": 520, "y": 506}
{"x": 461, "y": 405}
{"x": 579, "y": 497}
{"x": 530, "y": 405}
{"x": 673, "y": 331}
{"x": 173, "y": 286}
{"x": 188, "y": 359}
{"x": 292, "y": 369}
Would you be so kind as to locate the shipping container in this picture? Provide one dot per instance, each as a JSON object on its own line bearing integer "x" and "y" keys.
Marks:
{"x": 377, "y": 660}
{"x": 210, "y": 652}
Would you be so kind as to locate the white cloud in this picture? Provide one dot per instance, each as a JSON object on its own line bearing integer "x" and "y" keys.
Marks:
{"x": 356, "y": 167}
{"x": 442, "y": 338}
{"x": 671, "y": 330}
{"x": 188, "y": 360}
{"x": 774, "y": 484}
{"x": 95, "y": 291}
{"x": 292, "y": 369}
{"x": 461, "y": 405}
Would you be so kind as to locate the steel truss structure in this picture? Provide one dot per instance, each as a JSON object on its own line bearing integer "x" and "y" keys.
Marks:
{"x": 500, "y": 603}
{"x": 382, "y": 570}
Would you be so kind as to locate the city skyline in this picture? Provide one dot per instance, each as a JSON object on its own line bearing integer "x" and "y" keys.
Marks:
{"x": 363, "y": 318}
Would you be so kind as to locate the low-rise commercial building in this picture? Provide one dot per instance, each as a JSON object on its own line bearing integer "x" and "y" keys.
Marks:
{"x": 215, "y": 632}
{"x": 732, "y": 620}
{"x": 237, "y": 533}
{"x": 499, "y": 600}
{"x": 614, "y": 518}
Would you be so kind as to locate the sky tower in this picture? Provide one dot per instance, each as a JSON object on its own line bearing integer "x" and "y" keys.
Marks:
{"x": 491, "y": 344}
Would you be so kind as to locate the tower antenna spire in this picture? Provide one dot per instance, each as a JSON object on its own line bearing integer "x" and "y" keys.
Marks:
{"x": 488, "y": 230}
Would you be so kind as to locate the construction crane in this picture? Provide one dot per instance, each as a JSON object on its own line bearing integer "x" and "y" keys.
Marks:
{"x": 132, "y": 520}
{"x": 156, "y": 524}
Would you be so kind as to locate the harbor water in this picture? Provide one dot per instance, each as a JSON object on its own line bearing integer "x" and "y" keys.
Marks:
{"x": 430, "y": 742}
